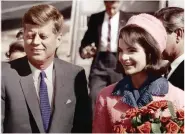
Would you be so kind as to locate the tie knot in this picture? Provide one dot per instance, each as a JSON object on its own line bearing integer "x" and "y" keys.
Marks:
{"x": 42, "y": 74}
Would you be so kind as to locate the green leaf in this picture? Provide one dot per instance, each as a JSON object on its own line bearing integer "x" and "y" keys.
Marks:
{"x": 163, "y": 129}
{"x": 171, "y": 109}
{"x": 157, "y": 120}
{"x": 134, "y": 122}
{"x": 139, "y": 119}
{"x": 156, "y": 128}
{"x": 180, "y": 123}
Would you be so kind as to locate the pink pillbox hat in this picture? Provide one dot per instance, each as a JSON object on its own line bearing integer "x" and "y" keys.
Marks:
{"x": 153, "y": 26}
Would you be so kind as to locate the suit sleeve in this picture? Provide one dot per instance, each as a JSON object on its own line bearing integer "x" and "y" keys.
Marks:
{"x": 89, "y": 34}
{"x": 83, "y": 113}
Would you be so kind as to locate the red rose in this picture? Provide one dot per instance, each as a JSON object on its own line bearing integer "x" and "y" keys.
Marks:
{"x": 131, "y": 112}
{"x": 119, "y": 128}
{"x": 155, "y": 105}
{"x": 145, "y": 128}
{"x": 172, "y": 127}
{"x": 180, "y": 114}
{"x": 182, "y": 129}
{"x": 165, "y": 120}
{"x": 144, "y": 110}
{"x": 163, "y": 104}
{"x": 131, "y": 130}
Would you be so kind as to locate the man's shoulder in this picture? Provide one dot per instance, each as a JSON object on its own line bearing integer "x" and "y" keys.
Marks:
{"x": 9, "y": 64}
{"x": 67, "y": 65}
{"x": 19, "y": 66}
{"x": 95, "y": 15}
{"x": 5, "y": 65}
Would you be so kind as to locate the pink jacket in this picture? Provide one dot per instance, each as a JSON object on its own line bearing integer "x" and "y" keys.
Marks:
{"x": 109, "y": 108}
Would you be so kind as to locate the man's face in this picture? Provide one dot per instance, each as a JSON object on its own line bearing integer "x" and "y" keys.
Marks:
{"x": 112, "y": 7}
{"x": 170, "y": 46}
{"x": 40, "y": 42}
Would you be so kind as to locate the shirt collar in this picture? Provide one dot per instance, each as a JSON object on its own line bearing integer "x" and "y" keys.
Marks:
{"x": 36, "y": 72}
{"x": 153, "y": 86}
{"x": 176, "y": 62}
{"x": 115, "y": 16}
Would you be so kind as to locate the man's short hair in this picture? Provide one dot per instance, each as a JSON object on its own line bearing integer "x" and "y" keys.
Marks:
{"x": 41, "y": 14}
{"x": 111, "y": 1}
{"x": 172, "y": 18}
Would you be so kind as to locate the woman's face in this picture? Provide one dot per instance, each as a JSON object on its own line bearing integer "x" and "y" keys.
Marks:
{"x": 133, "y": 58}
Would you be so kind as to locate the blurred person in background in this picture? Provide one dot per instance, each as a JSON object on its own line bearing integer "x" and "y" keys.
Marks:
{"x": 20, "y": 35}
{"x": 40, "y": 93}
{"x": 173, "y": 21}
{"x": 100, "y": 43}
{"x": 16, "y": 50}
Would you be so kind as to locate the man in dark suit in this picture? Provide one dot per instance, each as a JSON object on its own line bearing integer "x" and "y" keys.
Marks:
{"x": 100, "y": 42}
{"x": 40, "y": 93}
{"x": 173, "y": 20}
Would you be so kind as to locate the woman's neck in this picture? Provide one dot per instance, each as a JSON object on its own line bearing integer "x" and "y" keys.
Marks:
{"x": 138, "y": 79}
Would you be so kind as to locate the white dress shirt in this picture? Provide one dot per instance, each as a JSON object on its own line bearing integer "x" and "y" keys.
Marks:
{"x": 114, "y": 33}
{"x": 175, "y": 64}
{"x": 48, "y": 80}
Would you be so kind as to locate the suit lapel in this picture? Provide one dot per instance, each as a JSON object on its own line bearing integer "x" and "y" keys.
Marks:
{"x": 29, "y": 91}
{"x": 179, "y": 70}
{"x": 60, "y": 98}
{"x": 177, "y": 77}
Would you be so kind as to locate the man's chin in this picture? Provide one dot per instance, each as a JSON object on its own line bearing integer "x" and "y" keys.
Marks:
{"x": 38, "y": 59}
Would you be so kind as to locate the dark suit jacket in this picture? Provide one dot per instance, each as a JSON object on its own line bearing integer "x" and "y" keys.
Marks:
{"x": 20, "y": 107}
{"x": 177, "y": 77}
{"x": 93, "y": 33}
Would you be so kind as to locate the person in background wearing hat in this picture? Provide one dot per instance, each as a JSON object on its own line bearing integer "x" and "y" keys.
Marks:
{"x": 141, "y": 43}
{"x": 173, "y": 21}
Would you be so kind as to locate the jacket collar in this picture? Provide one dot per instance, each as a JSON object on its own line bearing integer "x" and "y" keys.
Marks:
{"x": 153, "y": 86}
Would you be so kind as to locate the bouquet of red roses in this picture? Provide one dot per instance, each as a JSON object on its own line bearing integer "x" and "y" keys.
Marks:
{"x": 151, "y": 119}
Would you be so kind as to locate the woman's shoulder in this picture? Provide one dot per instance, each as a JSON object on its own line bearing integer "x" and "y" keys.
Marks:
{"x": 112, "y": 89}
{"x": 108, "y": 90}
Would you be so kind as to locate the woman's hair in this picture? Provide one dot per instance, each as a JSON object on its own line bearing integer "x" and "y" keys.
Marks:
{"x": 132, "y": 34}
{"x": 41, "y": 14}
{"x": 17, "y": 46}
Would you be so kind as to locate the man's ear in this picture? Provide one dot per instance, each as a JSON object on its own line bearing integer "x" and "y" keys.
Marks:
{"x": 59, "y": 40}
{"x": 179, "y": 34}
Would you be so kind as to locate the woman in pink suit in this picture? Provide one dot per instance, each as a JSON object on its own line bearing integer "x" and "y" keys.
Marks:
{"x": 141, "y": 43}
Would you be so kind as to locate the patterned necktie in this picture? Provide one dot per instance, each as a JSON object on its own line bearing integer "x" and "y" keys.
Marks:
{"x": 44, "y": 102}
{"x": 109, "y": 35}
